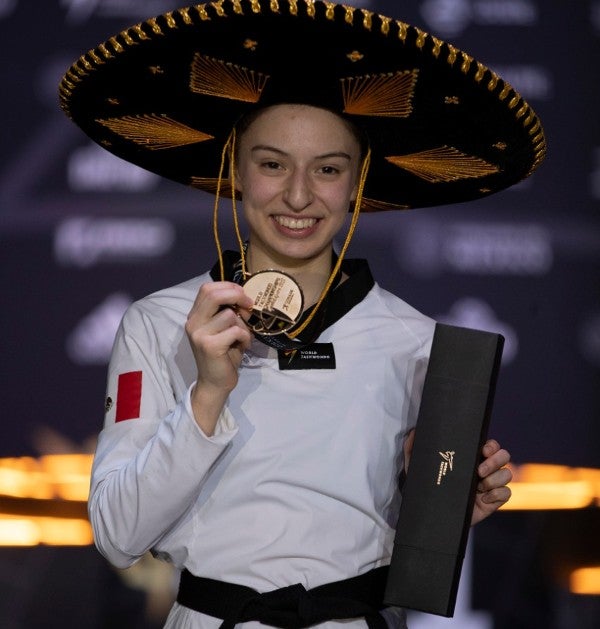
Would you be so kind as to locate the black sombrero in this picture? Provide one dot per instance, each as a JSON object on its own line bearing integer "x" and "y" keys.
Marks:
{"x": 165, "y": 94}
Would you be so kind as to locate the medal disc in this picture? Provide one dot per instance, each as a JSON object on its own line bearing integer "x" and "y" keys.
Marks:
{"x": 278, "y": 302}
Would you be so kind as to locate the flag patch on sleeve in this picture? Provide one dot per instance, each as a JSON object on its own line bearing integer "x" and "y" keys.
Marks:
{"x": 129, "y": 396}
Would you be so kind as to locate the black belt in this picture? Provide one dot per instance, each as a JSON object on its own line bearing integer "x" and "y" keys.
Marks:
{"x": 291, "y": 607}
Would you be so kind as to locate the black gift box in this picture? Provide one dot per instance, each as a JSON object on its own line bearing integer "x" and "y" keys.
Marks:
{"x": 439, "y": 490}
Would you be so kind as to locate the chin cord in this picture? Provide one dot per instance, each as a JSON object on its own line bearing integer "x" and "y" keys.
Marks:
{"x": 229, "y": 151}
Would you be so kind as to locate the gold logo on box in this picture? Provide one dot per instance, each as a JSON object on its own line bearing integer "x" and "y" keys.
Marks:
{"x": 446, "y": 465}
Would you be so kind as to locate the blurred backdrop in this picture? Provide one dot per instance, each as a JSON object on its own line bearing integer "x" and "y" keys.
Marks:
{"x": 83, "y": 234}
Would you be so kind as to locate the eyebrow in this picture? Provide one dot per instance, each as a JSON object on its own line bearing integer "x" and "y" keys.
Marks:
{"x": 264, "y": 147}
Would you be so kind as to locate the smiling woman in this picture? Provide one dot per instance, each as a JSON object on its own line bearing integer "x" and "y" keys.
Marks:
{"x": 257, "y": 452}
{"x": 297, "y": 169}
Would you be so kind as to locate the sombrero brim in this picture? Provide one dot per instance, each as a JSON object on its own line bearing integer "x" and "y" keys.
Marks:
{"x": 165, "y": 94}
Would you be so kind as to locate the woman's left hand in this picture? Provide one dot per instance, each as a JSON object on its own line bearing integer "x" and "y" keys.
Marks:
{"x": 492, "y": 489}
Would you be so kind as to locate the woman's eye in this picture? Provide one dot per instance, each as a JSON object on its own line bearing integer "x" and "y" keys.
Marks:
{"x": 329, "y": 170}
{"x": 270, "y": 165}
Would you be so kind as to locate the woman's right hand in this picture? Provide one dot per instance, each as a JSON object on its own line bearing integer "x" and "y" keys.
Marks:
{"x": 219, "y": 337}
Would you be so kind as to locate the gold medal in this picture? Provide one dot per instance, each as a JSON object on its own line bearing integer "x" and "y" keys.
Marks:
{"x": 278, "y": 302}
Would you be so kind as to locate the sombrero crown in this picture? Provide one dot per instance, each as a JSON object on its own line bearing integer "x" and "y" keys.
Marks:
{"x": 165, "y": 94}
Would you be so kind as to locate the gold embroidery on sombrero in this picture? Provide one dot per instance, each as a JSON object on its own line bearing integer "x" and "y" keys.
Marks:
{"x": 218, "y": 7}
{"x": 373, "y": 205}
{"x": 202, "y": 12}
{"x": 505, "y": 92}
{"x": 329, "y": 10}
{"x": 154, "y": 131}
{"x": 255, "y": 6}
{"x": 443, "y": 164}
{"x": 367, "y": 18}
{"x": 214, "y": 77}
{"x": 139, "y": 31}
{"x": 539, "y": 143}
{"x": 81, "y": 68}
{"x": 114, "y": 42}
{"x": 185, "y": 14}
{"x": 536, "y": 133}
{"x": 522, "y": 111}
{"x": 154, "y": 26}
{"x": 210, "y": 184}
{"x": 81, "y": 71}
{"x": 108, "y": 54}
{"x": 388, "y": 94}
{"x": 64, "y": 94}
{"x": 466, "y": 64}
{"x": 95, "y": 58}
{"x": 171, "y": 23}
{"x": 74, "y": 75}
{"x": 355, "y": 56}
{"x": 293, "y": 7}
{"x": 480, "y": 72}
{"x": 237, "y": 7}
{"x": 452, "y": 54}
{"x": 385, "y": 24}
{"x": 402, "y": 30}
{"x": 310, "y": 8}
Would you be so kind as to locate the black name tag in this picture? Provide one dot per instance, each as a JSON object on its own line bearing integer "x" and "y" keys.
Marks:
{"x": 314, "y": 356}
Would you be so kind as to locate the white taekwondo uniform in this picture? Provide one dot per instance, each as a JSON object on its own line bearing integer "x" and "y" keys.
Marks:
{"x": 299, "y": 483}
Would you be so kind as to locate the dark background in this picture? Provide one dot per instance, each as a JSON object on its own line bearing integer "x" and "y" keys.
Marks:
{"x": 83, "y": 234}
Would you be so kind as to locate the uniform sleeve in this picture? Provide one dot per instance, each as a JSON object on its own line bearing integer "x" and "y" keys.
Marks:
{"x": 415, "y": 388}
{"x": 152, "y": 459}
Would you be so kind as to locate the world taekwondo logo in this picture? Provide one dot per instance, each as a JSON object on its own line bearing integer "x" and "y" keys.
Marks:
{"x": 446, "y": 465}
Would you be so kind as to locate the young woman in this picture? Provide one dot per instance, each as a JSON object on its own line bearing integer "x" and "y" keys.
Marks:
{"x": 259, "y": 462}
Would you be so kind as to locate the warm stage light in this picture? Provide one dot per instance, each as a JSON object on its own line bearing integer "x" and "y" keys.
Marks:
{"x": 585, "y": 581}
{"x": 543, "y": 487}
{"x": 43, "y": 501}
{"x": 31, "y": 531}
{"x": 64, "y": 476}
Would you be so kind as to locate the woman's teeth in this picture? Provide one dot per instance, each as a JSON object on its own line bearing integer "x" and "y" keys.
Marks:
{"x": 295, "y": 223}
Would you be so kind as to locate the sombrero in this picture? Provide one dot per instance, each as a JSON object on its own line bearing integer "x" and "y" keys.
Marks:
{"x": 165, "y": 94}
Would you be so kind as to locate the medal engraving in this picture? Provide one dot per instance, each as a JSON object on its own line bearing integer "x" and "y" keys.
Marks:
{"x": 278, "y": 302}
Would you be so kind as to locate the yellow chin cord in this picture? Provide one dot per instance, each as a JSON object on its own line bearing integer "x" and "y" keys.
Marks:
{"x": 229, "y": 151}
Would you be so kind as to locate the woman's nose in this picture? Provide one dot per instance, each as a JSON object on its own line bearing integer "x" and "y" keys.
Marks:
{"x": 298, "y": 192}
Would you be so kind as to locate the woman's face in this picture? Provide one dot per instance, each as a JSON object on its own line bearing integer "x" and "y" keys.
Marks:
{"x": 297, "y": 169}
